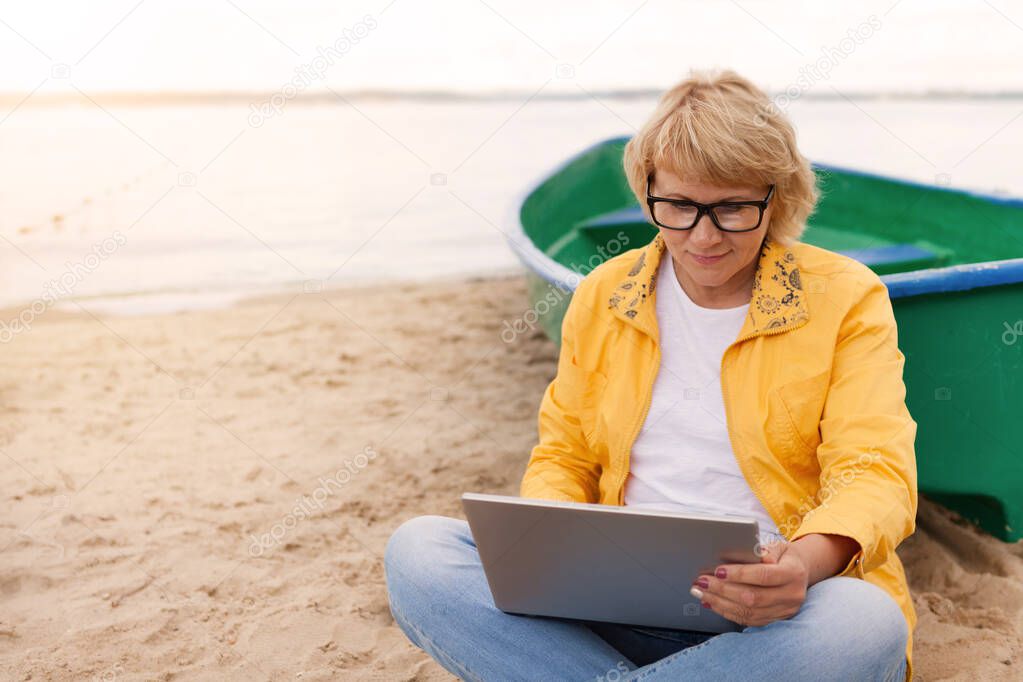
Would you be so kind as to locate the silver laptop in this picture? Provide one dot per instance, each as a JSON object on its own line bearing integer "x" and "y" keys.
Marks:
{"x": 603, "y": 562}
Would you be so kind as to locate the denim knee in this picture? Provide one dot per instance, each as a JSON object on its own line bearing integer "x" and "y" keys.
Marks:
{"x": 417, "y": 548}
{"x": 869, "y": 622}
{"x": 418, "y": 554}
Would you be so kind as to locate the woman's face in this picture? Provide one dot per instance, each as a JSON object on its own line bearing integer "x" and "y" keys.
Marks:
{"x": 719, "y": 264}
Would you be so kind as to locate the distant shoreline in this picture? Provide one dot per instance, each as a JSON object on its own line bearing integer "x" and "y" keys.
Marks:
{"x": 211, "y": 98}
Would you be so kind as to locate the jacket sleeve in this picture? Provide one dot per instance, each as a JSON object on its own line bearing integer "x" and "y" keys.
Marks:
{"x": 562, "y": 466}
{"x": 867, "y": 459}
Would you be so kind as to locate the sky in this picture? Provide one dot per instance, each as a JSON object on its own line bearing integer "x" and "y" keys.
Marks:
{"x": 893, "y": 46}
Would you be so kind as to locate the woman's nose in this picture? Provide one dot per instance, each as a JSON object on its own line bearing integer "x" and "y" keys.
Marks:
{"x": 705, "y": 233}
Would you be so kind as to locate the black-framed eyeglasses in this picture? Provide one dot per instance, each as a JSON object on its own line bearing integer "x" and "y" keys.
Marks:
{"x": 728, "y": 216}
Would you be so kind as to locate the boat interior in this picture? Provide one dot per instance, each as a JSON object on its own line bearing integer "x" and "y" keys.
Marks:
{"x": 890, "y": 225}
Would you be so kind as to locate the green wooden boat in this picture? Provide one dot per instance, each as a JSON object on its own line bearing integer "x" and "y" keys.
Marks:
{"x": 953, "y": 264}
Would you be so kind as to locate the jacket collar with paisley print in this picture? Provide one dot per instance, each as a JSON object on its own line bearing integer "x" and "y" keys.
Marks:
{"x": 777, "y": 304}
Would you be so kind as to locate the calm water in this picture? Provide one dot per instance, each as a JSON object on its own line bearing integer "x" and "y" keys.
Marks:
{"x": 199, "y": 205}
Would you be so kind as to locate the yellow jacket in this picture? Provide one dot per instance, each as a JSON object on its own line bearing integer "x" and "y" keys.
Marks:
{"x": 813, "y": 393}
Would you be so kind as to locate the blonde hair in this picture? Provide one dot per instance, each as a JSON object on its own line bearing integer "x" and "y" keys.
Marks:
{"x": 720, "y": 128}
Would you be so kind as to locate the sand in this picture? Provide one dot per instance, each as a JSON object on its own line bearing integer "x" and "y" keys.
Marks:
{"x": 207, "y": 495}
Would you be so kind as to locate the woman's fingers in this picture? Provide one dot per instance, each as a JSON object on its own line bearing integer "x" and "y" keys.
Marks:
{"x": 766, "y": 575}
{"x": 752, "y": 596}
{"x": 741, "y": 613}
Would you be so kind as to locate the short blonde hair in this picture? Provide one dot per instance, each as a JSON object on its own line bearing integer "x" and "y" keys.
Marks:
{"x": 721, "y": 129}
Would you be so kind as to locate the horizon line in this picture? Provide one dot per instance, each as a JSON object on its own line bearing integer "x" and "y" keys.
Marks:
{"x": 442, "y": 94}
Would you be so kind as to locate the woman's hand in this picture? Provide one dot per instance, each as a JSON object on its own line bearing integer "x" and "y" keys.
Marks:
{"x": 758, "y": 594}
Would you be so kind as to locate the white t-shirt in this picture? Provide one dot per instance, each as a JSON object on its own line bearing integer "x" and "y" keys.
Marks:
{"x": 682, "y": 459}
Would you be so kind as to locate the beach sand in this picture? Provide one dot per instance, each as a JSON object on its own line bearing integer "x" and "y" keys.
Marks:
{"x": 207, "y": 495}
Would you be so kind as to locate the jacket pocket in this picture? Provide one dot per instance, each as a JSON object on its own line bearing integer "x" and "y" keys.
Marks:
{"x": 585, "y": 388}
{"x": 796, "y": 409}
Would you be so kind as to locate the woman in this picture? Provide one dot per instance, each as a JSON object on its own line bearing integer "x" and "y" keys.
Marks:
{"x": 725, "y": 367}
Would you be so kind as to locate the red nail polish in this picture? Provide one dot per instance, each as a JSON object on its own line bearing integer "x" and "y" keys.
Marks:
{"x": 704, "y": 604}
{"x": 721, "y": 573}
{"x": 703, "y": 583}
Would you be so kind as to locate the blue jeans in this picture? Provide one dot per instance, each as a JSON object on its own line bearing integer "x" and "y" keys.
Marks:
{"x": 847, "y": 629}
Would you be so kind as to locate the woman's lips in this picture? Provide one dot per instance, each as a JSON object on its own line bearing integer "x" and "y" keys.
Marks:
{"x": 706, "y": 260}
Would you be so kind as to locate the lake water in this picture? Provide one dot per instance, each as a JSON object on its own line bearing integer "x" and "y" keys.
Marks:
{"x": 202, "y": 203}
